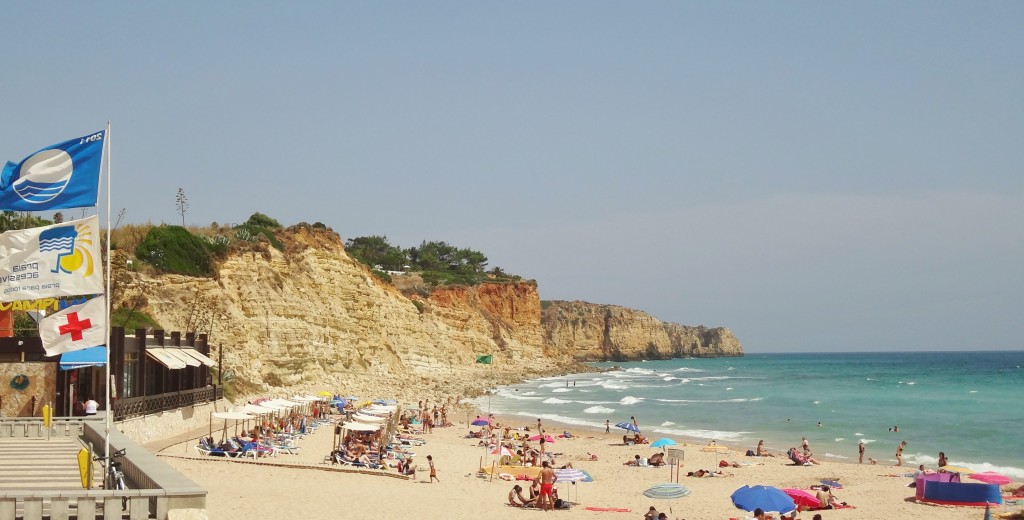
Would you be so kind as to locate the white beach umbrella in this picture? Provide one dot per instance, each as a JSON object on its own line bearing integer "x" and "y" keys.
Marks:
{"x": 367, "y": 418}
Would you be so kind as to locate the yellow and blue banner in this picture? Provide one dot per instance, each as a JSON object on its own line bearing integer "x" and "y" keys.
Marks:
{"x": 65, "y": 175}
{"x": 57, "y": 260}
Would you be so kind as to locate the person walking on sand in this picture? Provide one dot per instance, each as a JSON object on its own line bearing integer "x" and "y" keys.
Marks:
{"x": 899, "y": 453}
{"x": 860, "y": 449}
{"x": 607, "y": 426}
{"x": 433, "y": 471}
{"x": 546, "y": 500}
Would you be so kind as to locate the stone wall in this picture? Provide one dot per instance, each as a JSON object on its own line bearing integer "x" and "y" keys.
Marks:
{"x": 42, "y": 380}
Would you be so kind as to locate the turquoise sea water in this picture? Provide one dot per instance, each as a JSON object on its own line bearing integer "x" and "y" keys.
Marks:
{"x": 967, "y": 404}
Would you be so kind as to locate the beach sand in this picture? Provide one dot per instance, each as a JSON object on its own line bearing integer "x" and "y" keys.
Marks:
{"x": 238, "y": 490}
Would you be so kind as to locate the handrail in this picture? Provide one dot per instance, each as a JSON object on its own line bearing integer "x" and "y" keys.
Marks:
{"x": 150, "y": 404}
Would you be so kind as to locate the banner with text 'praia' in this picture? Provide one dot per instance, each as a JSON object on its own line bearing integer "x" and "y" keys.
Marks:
{"x": 58, "y": 260}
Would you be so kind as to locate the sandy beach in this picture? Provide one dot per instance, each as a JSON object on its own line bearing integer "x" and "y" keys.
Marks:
{"x": 238, "y": 489}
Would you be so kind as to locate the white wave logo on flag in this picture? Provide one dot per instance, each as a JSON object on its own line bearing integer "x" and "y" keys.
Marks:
{"x": 44, "y": 176}
{"x": 65, "y": 175}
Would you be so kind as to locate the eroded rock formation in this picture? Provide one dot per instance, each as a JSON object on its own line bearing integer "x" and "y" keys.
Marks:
{"x": 311, "y": 317}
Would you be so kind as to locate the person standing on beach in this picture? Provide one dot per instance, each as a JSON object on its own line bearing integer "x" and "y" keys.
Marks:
{"x": 899, "y": 453}
{"x": 860, "y": 448}
{"x": 607, "y": 426}
{"x": 546, "y": 500}
{"x": 433, "y": 470}
{"x": 633, "y": 418}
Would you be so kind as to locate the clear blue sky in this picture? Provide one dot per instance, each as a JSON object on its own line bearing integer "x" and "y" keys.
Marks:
{"x": 812, "y": 175}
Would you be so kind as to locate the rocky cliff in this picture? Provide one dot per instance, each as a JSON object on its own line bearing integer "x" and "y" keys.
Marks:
{"x": 310, "y": 317}
{"x": 592, "y": 332}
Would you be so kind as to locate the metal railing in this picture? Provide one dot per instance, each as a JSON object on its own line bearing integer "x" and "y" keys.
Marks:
{"x": 156, "y": 487}
{"x": 32, "y": 427}
{"x": 150, "y": 404}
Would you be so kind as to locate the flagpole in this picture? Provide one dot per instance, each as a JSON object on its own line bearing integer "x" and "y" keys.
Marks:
{"x": 106, "y": 321}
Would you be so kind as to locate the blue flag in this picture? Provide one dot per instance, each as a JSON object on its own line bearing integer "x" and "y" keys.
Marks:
{"x": 65, "y": 175}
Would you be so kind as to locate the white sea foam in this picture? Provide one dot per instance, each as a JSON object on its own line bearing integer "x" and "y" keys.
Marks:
{"x": 563, "y": 419}
{"x": 668, "y": 378}
{"x": 668, "y": 423}
{"x": 840, "y": 439}
{"x": 729, "y": 388}
{"x": 817, "y": 402}
{"x": 858, "y": 434}
{"x": 502, "y": 392}
{"x": 630, "y": 400}
{"x": 613, "y": 386}
{"x": 687, "y": 369}
{"x": 598, "y": 409}
{"x": 528, "y": 393}
{"x": 868, "y": 441}
{"x": 834, "y": 456}
{"x": 561, "y": 390}
{"x": 555, "y": 400}
{"x": 704, "y": 434}
{"x": 644, "y": 371}
{"x": 972, "y": 392}
{"x": 737, "y": 400}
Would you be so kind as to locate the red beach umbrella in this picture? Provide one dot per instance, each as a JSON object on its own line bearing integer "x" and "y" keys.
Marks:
{"x": 991, "y": 477}
{"x": 547, "y": 438}
{"x": 803, "y": 498}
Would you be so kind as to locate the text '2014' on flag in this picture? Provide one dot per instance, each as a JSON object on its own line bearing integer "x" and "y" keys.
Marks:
{"x": 59, "y": 260}
{"x": 65, "y": 175}
{"x": 75, "y": 328}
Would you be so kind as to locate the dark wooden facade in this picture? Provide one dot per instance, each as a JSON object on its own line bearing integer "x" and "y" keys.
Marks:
{"x": 141, "y": 384}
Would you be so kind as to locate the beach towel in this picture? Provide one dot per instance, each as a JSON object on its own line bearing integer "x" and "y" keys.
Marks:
{"x": 611, "y": 509}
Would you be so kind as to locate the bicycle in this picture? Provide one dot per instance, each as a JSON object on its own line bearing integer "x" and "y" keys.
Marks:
{"x": 113, "y": 476}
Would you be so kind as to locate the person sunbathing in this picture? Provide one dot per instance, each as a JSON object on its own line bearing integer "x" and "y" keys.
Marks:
{"x": 640, "y": 439}
{"x": 637, "y": 460}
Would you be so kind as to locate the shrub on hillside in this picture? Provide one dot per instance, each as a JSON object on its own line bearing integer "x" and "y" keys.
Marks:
{"x": 132, "y": 319}
{"x": 172, "y": 249}
{"x": 263, "y": 221}
{"x": 252, "y": 233}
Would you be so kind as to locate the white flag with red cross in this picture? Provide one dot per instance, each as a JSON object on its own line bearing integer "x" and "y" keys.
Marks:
{"x": 74, "y": 328}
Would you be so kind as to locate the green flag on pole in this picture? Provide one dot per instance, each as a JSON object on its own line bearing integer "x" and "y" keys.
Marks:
{"x": 486, "y": 359}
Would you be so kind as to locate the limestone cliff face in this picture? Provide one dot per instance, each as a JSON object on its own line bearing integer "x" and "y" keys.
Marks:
{"x": 312, "y": 318}
{"x": 592, "y": 332}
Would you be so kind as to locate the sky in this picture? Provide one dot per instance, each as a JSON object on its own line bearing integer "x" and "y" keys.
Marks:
{"x": 814, "y": 176}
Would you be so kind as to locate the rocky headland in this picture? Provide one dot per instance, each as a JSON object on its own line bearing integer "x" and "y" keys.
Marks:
{"x": 310, "y": 318}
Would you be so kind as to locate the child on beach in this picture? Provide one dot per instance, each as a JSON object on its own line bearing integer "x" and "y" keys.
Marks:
{"x": 433, "y": 470}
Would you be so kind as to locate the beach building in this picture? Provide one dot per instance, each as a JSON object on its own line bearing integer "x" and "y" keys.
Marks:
{"x": 151, "y": 372}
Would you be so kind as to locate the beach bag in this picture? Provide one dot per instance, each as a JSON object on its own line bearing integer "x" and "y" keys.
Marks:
{"x": 723, "y": 464}
{"x": 750, "y": 453}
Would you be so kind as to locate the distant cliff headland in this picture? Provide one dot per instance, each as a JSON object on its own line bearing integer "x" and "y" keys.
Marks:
{"x": 301, "y": 315}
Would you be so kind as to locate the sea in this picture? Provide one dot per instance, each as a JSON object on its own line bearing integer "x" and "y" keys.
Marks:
{"x": 969, "y": 405}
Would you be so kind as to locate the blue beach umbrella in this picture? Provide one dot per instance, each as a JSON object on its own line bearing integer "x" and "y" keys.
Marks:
{"x": 766, "y": 498}
{"x": 480, "y": 421}
{"x": 628, "y": 426}
{"x": 664, "y": 441}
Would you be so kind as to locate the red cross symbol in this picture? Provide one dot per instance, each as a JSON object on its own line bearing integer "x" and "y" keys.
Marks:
{"x": 75, "y": 327}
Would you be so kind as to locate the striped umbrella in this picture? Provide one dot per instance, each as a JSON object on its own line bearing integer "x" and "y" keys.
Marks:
{"x": 667, "y": 492}
{"x": 572, "y": 475}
